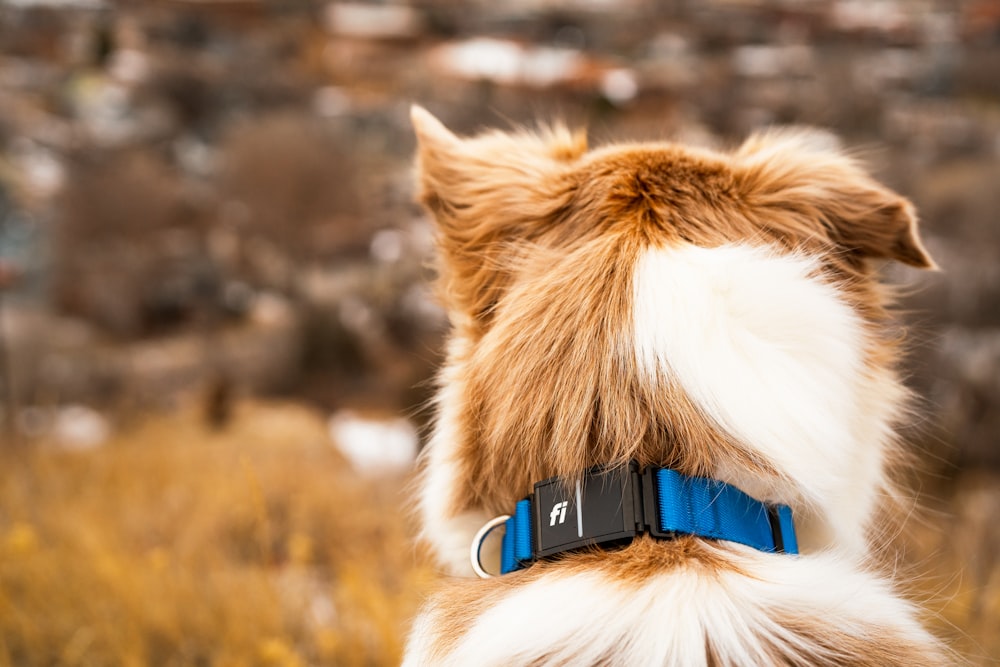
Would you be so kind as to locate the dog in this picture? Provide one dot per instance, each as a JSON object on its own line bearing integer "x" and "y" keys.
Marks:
{"x": 652, "y": 306}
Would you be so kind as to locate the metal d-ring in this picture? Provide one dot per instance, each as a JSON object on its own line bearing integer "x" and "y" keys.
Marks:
{"x": 477, "y": 545}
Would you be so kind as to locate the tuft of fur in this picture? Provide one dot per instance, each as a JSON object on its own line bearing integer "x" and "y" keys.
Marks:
{"x": 718, "y": 313}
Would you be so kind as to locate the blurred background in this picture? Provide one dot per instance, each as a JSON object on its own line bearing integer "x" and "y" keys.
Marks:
{"x": 216, "y": 331}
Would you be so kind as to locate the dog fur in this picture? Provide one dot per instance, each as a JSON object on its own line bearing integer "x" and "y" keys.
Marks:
{"x": 717, "y": 313}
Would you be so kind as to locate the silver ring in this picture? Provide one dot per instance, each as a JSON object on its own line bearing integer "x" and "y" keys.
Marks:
{"x": 477, "y": 545}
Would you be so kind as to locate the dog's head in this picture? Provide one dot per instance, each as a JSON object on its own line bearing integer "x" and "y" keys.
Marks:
{"x": 715, "y": 312}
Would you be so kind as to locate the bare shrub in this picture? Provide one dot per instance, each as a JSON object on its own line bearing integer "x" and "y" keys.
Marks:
{"x": 128, "y": 245}
{"x": 297, "y": 185}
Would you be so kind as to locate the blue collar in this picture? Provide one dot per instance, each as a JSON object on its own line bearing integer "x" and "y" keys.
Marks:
{"x": 608, "y": 506}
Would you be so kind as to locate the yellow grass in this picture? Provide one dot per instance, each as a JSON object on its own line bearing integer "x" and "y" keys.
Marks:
{"x": 174, "y": 545}
{"x": 953, "y": 551}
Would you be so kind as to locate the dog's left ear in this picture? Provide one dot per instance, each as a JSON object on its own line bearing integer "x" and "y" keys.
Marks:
{"x": 488, "y": 193}
{"x": 805, "y": 173}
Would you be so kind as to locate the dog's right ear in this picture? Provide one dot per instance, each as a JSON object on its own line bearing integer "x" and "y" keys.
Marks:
{"x": 487, "y": 194}
{"x": 806, "y": 173}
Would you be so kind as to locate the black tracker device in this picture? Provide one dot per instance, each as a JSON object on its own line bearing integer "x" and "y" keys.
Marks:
{"x": 604, "y": 505}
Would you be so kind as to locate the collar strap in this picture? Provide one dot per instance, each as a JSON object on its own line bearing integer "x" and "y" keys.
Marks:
{"x": 607, "y": 506}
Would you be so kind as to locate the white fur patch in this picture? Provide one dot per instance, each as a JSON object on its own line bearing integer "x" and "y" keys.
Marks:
{"x": 584, "y": 619}
{"x": 449, "y": 534}
{"x": 775, "y": 357}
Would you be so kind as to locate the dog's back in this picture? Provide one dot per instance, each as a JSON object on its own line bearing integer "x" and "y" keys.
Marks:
{"x": 714, "y": 313}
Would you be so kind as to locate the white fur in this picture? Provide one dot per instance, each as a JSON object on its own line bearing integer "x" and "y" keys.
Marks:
{"x": 448, "y": 534}
{"x": 585, "y": 619}
{"x": 776, "y": 358}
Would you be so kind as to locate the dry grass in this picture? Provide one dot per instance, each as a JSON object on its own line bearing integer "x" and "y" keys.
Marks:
{"x": 175, "y": 545}
{"x": 953, "y": 556}
{"x": 178, "y": 546}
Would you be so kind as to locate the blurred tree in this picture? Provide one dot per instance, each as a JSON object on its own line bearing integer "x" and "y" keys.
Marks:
{"x": 8, "y": 276}
{"x": 293, "y": 190}
{"x": 129, "y": 245}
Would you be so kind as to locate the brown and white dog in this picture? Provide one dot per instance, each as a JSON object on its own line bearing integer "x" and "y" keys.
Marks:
{"x": 717, "y": 313}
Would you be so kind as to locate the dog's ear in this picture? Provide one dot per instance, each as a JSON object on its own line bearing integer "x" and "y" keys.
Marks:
{"x": 805, "y": 173}
{"x": 488, "y": 193}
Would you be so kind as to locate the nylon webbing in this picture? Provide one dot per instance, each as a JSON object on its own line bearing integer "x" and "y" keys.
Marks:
{"x": 516, "y": 549}
{"x": 710, "y": 508}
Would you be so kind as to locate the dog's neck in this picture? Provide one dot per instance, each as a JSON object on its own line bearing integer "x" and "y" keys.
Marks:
{"x": 739, "y": 363}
